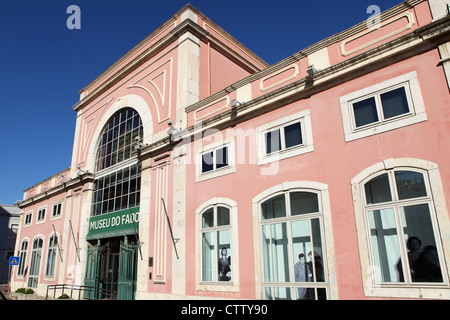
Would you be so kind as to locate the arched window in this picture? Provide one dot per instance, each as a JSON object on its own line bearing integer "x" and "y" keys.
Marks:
{"x": 35, "y": 263}
{"x": 293, "y": 253}
{"x": 216, "y": 244}
{"x": 118, "y": 173}
{"x": 22, "y": 258}
{"x": 51, "y": 256}
{"x": 118, "y": 138}
{"x": 403, "y": 239}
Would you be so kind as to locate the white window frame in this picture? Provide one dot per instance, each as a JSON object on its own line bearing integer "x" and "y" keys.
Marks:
{"x": 52, "y": 253}
{"x": 59, "y": 215}
{"x": 327, "y": 231}
{"x": 416, "y": 113}
{"x": 230, "y": 168}
{"x": 35, "y": 262}
{"x": 302, "y": 117}
{"x": 22, "y": 267}
{"x": 438, "y": 212}
{"x": 125, "y": 163}
{"x": 28, "y": 219}
{"x": 39, "y": 218}
{"x": 219, "y": 286}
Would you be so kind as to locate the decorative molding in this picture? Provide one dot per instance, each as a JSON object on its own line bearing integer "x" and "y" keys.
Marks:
{"x": 160, "y": 240}
{"x": 282, "y": 80}
{"x": 213, "y": 111}
{"x": 88, "y": 126}
{"x": 160, "y": 93}
{"x": 408, "y": 26}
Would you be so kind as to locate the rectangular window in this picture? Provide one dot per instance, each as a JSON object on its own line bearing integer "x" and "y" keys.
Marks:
{"x": 56, "y": 212}
{"x": 216, "y": 159}
{"x": 385, "y": 106}
{"x": 41, "y": 215}
{"x": 117, "y": 191}
{"x": 28, "y": 218}
{"x": 285, "y": 138}
{"x": 381, "y": 107}
{"x": 365, "y": 112}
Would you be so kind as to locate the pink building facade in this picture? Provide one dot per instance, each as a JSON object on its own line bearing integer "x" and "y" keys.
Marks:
{"x": 201, "y": 172}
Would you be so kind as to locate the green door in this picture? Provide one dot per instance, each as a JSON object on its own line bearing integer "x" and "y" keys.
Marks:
{"x": 127, "y": 271}
{"x": 91, "y": 278}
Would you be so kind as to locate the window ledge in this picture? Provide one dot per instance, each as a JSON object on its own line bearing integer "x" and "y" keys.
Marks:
{"x": 226, "y": 287}
{"x": 410, "y": 120}
{"x": 285, "y": 154}
{"x": 412, "y": 292}
{"x": 215, "y": 173}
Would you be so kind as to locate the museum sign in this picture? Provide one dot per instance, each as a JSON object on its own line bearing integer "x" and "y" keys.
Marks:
{"x": 114, "y": 224}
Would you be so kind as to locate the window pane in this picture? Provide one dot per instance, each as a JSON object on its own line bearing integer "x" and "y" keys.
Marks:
{"x": 223, "y": 216}
{"x": 307, "y": 250}
{"x": 410, "y": 185}
{"x": 385, "y": 246}
{"x": 132, "y": 200}
{"x": 208, "y": 218}
{"x": 303, "y": 202}
{"x": 365, "y": 112}
{"x": 274, "y": 208}
{"x": 268, "y": 295}
{"x": 275, "y": 253}
{"x": 277, "y": 293}
{"x": 394, "y": 103}
{"x": 266, "y": 253}
{"x": 224, "y": 259}
{"x": 115, "y": 143}
{"x": 279, "y": 251}
{"x": 207, "y": 162}
{"x": 422, "y": 253}
{"x": 317, "y": 260}
{"x": 208, "y": 257}
{"x": 378, "y": 190}
{"x": 222, "y": 157}
{"x": 301, "y": 241}
{"x": 273, "y": 141}
{"x": 293, "y": 135}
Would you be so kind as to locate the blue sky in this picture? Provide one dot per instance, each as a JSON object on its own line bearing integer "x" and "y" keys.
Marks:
{"x": 43, "y": 64}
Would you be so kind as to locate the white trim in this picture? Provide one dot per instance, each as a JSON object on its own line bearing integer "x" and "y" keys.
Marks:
{"x": 415, "y": 102}
{"x": 440, "y": 214}
{"x": 43, "y": 220}
{"x": 129, "y": 101}
{"x": 277, "y": 73}
{"x": 408, "y": 26}
{"x": 322, "y": 190}
{"x": 57, "y": 257}
{"x": 230, "y": 168}
{"x": 304, "y": 117}
{"x": 25, "y": 224}
{"x": 59, "y": 216}
{"x": 217, "y": 286}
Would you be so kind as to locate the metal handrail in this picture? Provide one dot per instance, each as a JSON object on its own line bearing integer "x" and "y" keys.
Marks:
{"x": 73, "y": 287}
